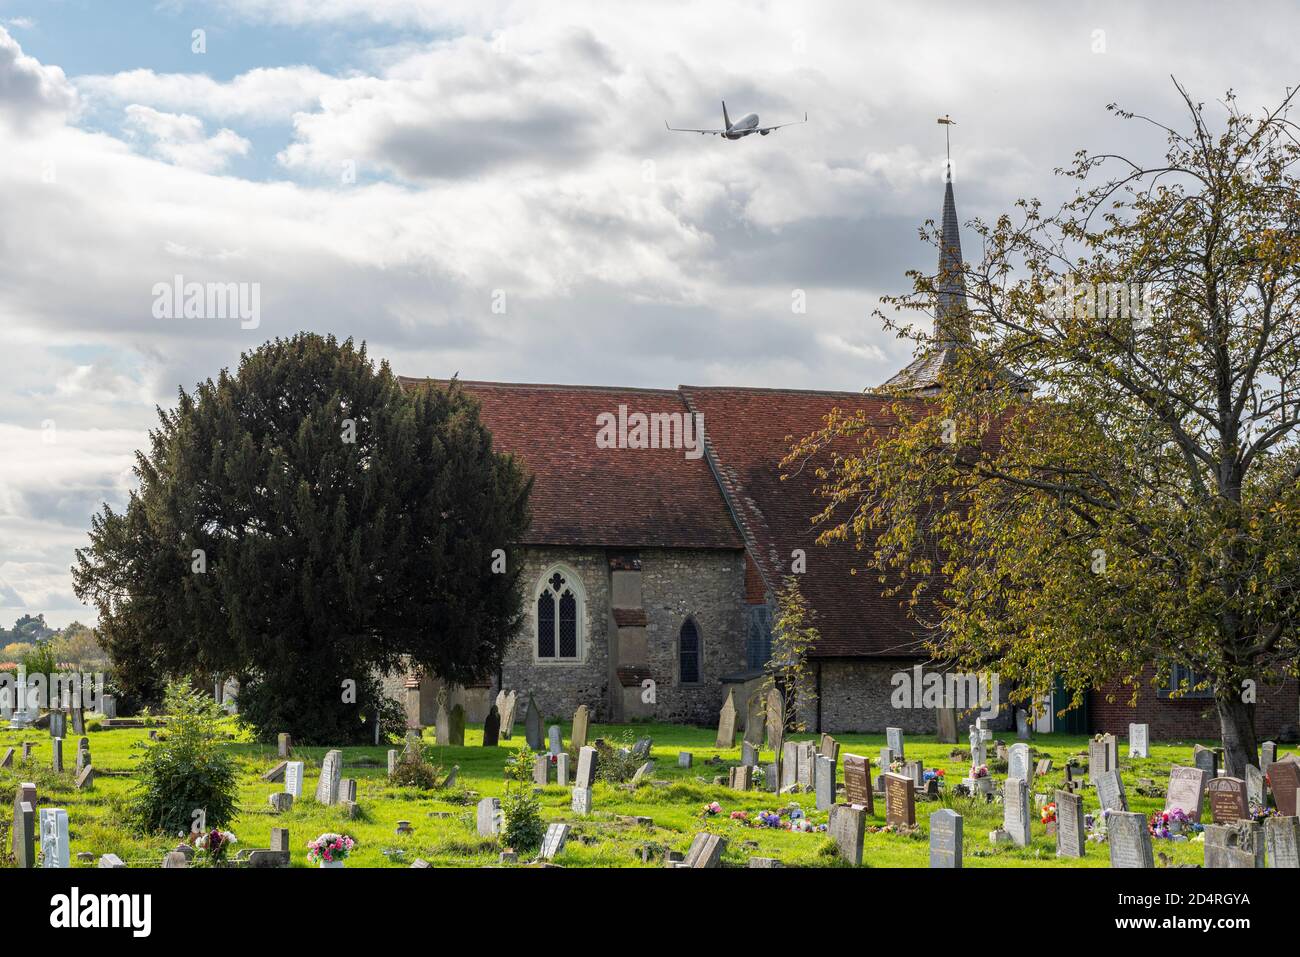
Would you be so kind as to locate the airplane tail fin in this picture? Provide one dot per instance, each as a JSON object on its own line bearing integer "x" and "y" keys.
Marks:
{"x": 726, "y": 120}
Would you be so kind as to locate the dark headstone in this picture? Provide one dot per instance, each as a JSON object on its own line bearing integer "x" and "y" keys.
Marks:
{"x": 492, "y": 728}
{"x": 857, "y": 782}
{"x": 533, "y": 725}
{"x": 1228, "y": 802}
{"x": 900, "y": 799}
{"x": 1284, "y": 781}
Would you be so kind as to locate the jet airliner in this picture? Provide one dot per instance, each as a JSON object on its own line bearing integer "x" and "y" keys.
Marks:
{"x": 744, "y": 126}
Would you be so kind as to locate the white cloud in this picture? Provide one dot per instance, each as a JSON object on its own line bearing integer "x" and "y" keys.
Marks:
{"x": 31, "y": 93}
{"x": 180, "y": 139}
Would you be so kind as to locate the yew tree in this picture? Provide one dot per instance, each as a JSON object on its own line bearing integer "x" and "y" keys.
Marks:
{"x": 1104, "y": 489}
{"x": 305, "y": 525}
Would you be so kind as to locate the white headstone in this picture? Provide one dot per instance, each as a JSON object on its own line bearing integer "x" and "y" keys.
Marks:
{"x": 1139, "y": 740}
{"x": 55, "y": 849}
{"x": 293, "y": 778}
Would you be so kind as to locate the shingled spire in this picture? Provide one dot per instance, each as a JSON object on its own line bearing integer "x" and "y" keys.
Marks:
{"x": 950, "y": 328}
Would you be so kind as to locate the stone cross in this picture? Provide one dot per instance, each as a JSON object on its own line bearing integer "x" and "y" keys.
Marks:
{"x": 945, "y": 838}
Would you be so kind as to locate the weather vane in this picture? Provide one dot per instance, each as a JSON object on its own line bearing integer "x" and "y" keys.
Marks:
{"x": 947, "y": 121}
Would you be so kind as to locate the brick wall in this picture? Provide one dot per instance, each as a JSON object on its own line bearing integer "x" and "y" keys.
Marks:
{"x": 1277, "y": 712}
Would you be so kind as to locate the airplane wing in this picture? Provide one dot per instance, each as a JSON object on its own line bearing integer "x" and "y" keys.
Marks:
{"x": 674, "y": 129}
{"x": 769, "y": 129}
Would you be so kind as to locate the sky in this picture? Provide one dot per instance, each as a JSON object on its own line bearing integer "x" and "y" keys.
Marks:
{"x": 487, "y": 188}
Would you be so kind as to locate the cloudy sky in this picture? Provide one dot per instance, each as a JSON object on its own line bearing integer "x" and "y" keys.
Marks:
{"x": 391, "y": 169}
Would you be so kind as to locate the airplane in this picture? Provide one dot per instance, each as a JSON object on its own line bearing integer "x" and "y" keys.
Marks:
{"x": 744, "y": 126}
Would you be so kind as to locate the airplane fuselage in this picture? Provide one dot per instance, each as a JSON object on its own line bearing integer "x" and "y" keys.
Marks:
{"x": 742, "y": 127}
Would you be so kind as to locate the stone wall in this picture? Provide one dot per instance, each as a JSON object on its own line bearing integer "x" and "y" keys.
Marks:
{"x": 675, "y": 583}
{"x": 856, "y": 695}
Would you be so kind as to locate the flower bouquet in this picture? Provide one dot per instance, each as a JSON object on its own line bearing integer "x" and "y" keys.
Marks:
{"x": 710, "y": 809}
{"x": 330, "y": 850}
{"x": 212, "y": 846}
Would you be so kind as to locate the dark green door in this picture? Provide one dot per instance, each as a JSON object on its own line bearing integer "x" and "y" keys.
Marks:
{"x": 1074, "y": 721}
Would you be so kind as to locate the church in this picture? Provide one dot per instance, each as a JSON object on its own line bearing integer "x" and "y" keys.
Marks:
{"x": 656, "y": 552}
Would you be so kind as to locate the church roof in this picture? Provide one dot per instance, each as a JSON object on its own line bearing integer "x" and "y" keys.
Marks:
{"x": 584, "y": 495}
{"x": 748, "y": 431}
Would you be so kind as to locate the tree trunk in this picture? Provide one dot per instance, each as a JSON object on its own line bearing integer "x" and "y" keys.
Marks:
{"x": 1237, "y": 729}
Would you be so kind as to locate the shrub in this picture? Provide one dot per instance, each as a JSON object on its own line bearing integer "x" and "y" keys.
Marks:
{"x": 522, "y": 828}
{"x": 415, "y": 774}
{"x": 189, "y": 771}
{"x": 614, "y": 765}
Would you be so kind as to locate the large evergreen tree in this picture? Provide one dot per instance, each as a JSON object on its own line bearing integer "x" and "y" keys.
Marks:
{"x": 303, "y": 524}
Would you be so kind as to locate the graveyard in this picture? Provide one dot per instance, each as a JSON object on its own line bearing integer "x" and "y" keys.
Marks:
{"x": 683, "y": 787}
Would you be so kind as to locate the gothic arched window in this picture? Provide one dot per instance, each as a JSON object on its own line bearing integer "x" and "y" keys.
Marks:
{"x": 688, "y": 652}
{"x": 559, "y": 608}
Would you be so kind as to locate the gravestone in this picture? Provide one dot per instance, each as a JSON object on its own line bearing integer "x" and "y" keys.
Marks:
{"x": 284, "y": 744}
{"x": 553, "y": 841}
{"x": 327, "y": 788}
{"x": 945, "y": 838}
{"x": 1227, "y": 797}
{"x": 1139, "y": 740}
{"x": 85, "y": 780}
{"x": 562, "y": 769}
{"x": 1043, "y": 767}
{"x": 894, "y": 741}
{"x": 1071, "y": 830}
{"x": 755, "y": 721}
{"x": 1282, "y": 841}
{"x": 1129, "y": 840}
{"x": 110, "y": 861}
{"x": 748, "y": 754}
{"x": 830, "y": 748}
{"x": 280, "y": 801}
{"x": 1186, "y": 791}
{"x": 58, "y": 724}
{"x": 1110, "y": 791}
{"x": 740, "y": 778}
{"x": 581, "y": 803}
{"x": 825, "y": 783}
{"x": 24, "y": 831}
{"x": 581, "y": 718}
{"x": 83, "y": 754}
{"x": 56, "y": 759}
{"x": 726, "y": 738}
{"x": 293, "y": 775}
{"x": 8, "y": 760}
{"x": 848, "y": 827}
{"x": 685, "y": 759}
{"x": 392, "y": 761}
{"x": 78, "y": 720}
{"x": 1015, "y": 811}
{"x": 489, "y": 817}
{"x": 508, "y": 716}
{"x": 807, "y": 757}
{"x": 55, "y": 849}
{"x": 1255, "y": 786}
{"x": 641, "y": 772}
{"x": 175, "y": 859}
{"x": 1112, "y": 751}
{"x": 946, "y": 725}
{"x": 789, "y": 765}
{"x": 586, "y": 768}
{"x": 108, "y": 706}
{"x": 772, "y": 776}
{"x": 27, "y": 751}
{"x": 276, "y": 773}
{"x": 492, "y": 728}
{"x": 775, "y": 720}
{"x": 1284, "y": 781}
{"x": 1207, "y": 760}
{"x": 857, "y": 782}
{"x": 456, "y": 727}
{"x": 1239, "y": 845}
{"x": 442, "y": 726}
{"x": 1267, "y": 753}
{"x": 533, "y": 724}
{"x": 1022, "y": 724}
{"x": 1098, "y": 760}
{"x": 541, "y": 769}
{"x": 705, "y": 851}
{"x": 900, "y": 799}
{"x": 347, "y": 791}
{"x": 554, "y": 741}
{"x": 1018, "y": 761}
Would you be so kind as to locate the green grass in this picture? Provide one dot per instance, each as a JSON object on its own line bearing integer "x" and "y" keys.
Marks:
{"x": 444, "y": 828}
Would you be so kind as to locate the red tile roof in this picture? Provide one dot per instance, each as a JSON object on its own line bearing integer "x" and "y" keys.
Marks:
{"x": 584, "y": 495}
{"x": 748, "y": 432}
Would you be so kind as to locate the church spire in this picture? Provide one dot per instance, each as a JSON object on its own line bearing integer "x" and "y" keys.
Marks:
{"x": 950, "y": 289}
